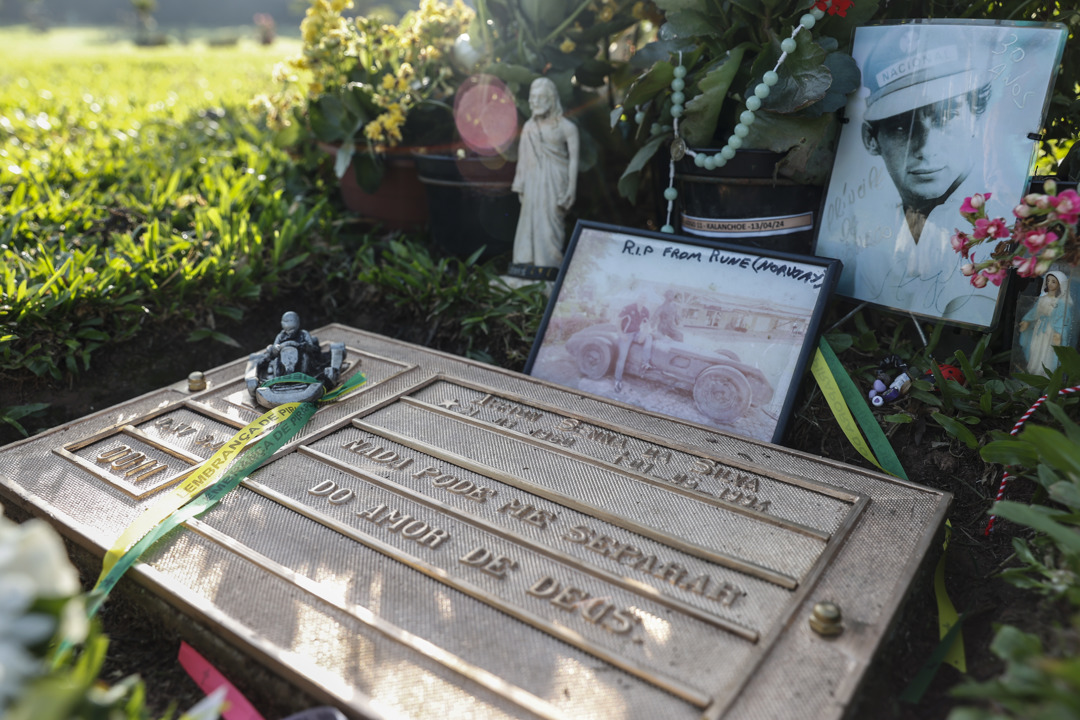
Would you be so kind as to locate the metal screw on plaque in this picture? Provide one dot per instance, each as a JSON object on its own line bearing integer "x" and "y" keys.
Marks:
{"x": 196, "y": 381}
{"x": 826, "y": 620}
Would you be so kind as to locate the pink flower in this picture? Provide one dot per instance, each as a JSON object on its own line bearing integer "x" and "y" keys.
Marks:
{"x": 1050, "y": 253}
{"x": 990, "y": 229}
{"x": 974, "y": 204}
{"x": 967, "y": 269}
{"x": 978, "y": 281}
{"x": 1025, "y": 266}
{"x": 961, "y": 242}
{"x": 1022, "y": 211}
{"x": 995, "y": 273}
{"x": 1035, "y": 241}
{"x": 1067, "y": 206}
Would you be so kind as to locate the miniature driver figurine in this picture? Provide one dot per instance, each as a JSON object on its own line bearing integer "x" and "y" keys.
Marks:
{"x": 306, "y": 346}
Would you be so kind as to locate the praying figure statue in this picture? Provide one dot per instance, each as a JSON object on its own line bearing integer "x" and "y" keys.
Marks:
{"x": 546, "y": 184}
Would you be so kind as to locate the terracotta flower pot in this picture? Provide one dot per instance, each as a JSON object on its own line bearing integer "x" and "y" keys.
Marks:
{"x": 400, "y": 203}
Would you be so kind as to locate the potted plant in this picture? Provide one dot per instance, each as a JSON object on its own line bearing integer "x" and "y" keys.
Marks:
{"x": 509, "y": 44}
{"x": 761, "y": 75}
{"x": 369, "y": 92}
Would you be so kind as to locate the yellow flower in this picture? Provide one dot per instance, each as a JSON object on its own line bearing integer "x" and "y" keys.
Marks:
{"x": 567, "y": 46}
{"x": 606, "y": 13}
{"x": 339, "y": 5}
{"x": 373, "y": 130}
{"x": 387, "y": 82}
{"x": 309, "y": 31}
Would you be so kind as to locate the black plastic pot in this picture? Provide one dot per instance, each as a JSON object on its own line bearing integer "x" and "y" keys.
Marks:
{"x": 470, "y": 203}
{"x": 744, "y": 204}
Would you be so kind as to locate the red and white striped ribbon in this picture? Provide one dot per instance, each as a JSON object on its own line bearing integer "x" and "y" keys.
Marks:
{"x": 1016, "y": 428}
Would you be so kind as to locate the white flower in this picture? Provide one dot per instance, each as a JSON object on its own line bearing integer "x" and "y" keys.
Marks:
{"x": 38, "y": 554}
{"x": 33, "y": 564}
{"x": 209, "y": 708}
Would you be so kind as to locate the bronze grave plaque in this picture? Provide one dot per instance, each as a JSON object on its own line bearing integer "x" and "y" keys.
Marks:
{"x": 457, "y": 540}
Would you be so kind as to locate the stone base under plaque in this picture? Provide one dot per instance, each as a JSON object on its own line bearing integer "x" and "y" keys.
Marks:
{"x": 458, "y": 536}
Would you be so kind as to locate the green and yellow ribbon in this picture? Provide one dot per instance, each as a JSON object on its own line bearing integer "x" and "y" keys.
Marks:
{"x": 245, "y": 452}
{"x": 852, "y": 413}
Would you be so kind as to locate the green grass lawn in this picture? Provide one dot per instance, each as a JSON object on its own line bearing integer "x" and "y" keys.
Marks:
{"x": 134, "y": 181}
{"x": 137, "y": 189}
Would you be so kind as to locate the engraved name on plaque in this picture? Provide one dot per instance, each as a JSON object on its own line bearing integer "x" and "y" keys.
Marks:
{"x": 461, "y": 540}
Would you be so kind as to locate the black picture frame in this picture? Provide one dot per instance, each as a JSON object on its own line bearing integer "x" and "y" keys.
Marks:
{"x": 748, "y": 320}
{"x": 946, "y": 109}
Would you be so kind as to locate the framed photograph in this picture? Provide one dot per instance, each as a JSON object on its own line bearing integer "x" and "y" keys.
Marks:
{"x": 1046, "y": 318}
{"x": 946, "y": 109}
{"x": 711, "y": 333}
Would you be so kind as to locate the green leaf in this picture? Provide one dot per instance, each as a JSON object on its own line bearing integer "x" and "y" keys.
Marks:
{"x": 803, "y": 81}
{"x": 671, "y": 6}
{"x": 651, "y": 84}
{"x": 1069, "y": 359}
{"x": 205, "y": 333}
{"x": 956, "y": 429}
{"x": 368, "y": 171}
{"x": 1039, "y": 518}
{"x": 684, "y": 24}
{"x": 899, "y": 418}
{"x": 1023, "y": 551}
{"x": 628, "y": 183}
{"x": 19, "y": 411}
{"x": 839, "y": 341}
{"x": 925, "y": 397}
{"x": 544, "y": 15}
{"x": 1066, "y": 493}
{"x": 1072, "y": 430}
{"x": 342, "y": 158}
{"x": 699, "y": 124}
{"x": 807, "y": 143}
{"x": 1011, "y": 453}
{"x": 1014, "y": 645}
{"x": 325, "y": 118}
{"x": 1053, "y": 448}
{"x": 513, "y": 73}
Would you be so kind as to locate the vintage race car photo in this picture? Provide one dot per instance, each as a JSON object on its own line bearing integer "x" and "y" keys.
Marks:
{"x": 723, "y": 388}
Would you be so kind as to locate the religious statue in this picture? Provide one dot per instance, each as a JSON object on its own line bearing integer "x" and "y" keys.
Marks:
{"x": 1046, "y": 324}
{"x": 546, "y": 184}
{"x": 293, "y": 351}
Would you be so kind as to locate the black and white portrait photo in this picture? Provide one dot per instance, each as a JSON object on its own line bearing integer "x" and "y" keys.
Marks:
{"x": 945, "y": 111}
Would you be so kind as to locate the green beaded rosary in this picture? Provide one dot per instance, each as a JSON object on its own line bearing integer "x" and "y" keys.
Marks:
{"x": 746, "y": 119}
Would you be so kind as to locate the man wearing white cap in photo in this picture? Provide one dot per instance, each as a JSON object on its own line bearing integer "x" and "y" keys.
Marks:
{"x": 929, "y": 90}
{"x": 923, "y": 117}
{"x": 946, "y": 110}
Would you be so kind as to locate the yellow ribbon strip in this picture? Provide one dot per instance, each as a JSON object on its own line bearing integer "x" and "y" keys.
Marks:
{"x": 947, "y": 616}
{"x": 835, "y": 398}
{"x": 203, "y": 477}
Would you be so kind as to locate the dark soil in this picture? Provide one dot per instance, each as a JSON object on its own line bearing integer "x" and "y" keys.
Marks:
{"x": 141, "y": 642}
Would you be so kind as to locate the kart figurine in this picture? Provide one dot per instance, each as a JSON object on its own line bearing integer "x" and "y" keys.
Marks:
{"x": 294, "y": 350}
